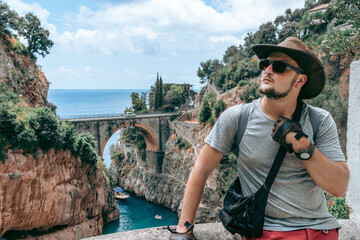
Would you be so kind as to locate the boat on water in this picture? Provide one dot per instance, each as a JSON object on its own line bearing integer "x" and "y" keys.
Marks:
{"x": 120, "y": 194}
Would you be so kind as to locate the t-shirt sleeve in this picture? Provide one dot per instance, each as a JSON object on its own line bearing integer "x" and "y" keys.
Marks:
{"x": 327, "y": 139}
{"x": 222, "y": 134}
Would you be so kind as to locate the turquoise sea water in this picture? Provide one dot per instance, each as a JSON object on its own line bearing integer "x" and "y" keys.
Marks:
{"x": 135, "y": 213}
{"x": 75, "y": 102}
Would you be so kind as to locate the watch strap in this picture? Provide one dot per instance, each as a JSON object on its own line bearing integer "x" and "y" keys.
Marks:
{"x": 309, "y": 151}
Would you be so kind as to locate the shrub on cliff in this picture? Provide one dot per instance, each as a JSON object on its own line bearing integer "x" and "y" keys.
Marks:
{"x": 7, "y": 123}
{"x": 6, "y": 95}
{"x": 7, "y": 128}
{"x": 251, "y": 92}
{"x": 85, "y": 148}
{"x": 46, "y": 127}
{"x": 220, "y": 106}
{"x": 205, "y": 112}
{"x": 182, "y": 143}
{"x": 26, "y": 138}
{"x": 68, "y": 136}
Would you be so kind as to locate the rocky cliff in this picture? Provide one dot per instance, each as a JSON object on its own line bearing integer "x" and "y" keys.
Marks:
{"x": 49, "y": 194}
{"x": 21, "y": 74}
{"x": 55, "y": 195}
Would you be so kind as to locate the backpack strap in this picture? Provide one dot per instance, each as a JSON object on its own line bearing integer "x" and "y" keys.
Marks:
{"x": 243, "y": 120}
{"x": 244, "y": 117}
{"x": 314, "y": 120}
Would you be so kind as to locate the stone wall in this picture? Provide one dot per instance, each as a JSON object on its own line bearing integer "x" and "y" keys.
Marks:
{"x": 208, "y": 231}
{"x": 353, "y": 143}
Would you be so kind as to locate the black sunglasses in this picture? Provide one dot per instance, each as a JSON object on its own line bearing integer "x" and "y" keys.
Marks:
{"x": 277, "y": 66}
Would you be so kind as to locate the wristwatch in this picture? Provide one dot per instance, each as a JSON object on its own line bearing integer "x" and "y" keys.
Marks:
{"x": 306, "y": 154}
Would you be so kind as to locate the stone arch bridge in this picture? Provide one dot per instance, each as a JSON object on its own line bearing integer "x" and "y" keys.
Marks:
{"x": 153, "y": 127}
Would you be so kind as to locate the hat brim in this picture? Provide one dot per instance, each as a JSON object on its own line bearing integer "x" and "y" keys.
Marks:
{"x": 308, "y": 62}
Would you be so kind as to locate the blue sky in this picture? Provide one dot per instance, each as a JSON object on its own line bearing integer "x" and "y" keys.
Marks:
{"x": 122, "y": 44}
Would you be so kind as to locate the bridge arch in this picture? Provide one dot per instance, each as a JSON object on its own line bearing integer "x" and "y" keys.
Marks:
{"x": 151, "y": 143}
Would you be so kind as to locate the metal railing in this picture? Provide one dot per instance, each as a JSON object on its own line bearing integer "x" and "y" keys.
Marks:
{"x": 69, "y": 117}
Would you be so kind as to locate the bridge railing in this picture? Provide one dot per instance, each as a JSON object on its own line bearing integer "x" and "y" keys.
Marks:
{"x": 68, "y": 117}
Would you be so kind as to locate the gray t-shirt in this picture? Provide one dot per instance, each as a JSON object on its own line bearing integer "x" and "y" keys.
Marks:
{"x": 295, "y": 201}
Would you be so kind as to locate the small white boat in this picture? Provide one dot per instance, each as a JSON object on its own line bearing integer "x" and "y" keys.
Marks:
{"x": 119, "y": 194}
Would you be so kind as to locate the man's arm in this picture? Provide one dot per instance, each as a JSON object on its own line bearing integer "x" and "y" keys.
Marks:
{"x": 331, "y": 176}
{"x": 207, "y": 161}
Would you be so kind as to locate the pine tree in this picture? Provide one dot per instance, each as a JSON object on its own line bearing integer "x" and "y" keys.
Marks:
{"x": 205, "y": 112}
{"x": 157, "y": 92}
{"x": 160, "y": 92}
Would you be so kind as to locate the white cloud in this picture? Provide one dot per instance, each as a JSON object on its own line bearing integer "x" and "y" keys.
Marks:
{"x": 153, "y": 25}
{"x": 150, "y": 26}
{"x": 224, "y": 39}
{"x": 23, "y": 8}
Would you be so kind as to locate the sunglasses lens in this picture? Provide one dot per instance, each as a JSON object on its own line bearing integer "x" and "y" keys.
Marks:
{"x": 279, "y": 66}
{"x": 263, "y": 64}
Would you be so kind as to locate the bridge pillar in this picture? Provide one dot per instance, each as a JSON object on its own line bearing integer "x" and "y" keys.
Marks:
{"x": 155, "y": 160}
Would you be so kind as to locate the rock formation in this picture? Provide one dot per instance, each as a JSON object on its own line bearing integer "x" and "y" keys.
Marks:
{"x": 52, "y": 195}
{"x": 21, "y": 74}
{"x": 55, "y": 194}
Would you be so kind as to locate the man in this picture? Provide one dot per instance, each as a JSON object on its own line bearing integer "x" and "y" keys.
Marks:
{"x": 296, "y": 207}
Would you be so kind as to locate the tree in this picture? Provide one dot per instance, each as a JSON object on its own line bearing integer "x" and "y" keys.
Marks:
{"x": 144, "y": 97}
{"x": 205, "y": 112}
{"x": 174, "y": 97}
{"x": 137, "y": 104}
{"x": 85, "y": 148}
{"x": 8, "y": 18}
{"x": 233, "y": 54}
{"x": 279, "y": 20}
{"x": 289, "y": 29}
{"x": 249, "y": 41}
{"x": 220, "y": 106}
{"x": 160, "y": 92}
{"x": 309, "y": 4}
{"x": 348, "y": 41}
{"x": 266, "y": 34}
{"x": 204, "y": 71}
{"x": 46, "y": 127}
{"x": 207, "y": 68}
{"x": 37, "y": 37}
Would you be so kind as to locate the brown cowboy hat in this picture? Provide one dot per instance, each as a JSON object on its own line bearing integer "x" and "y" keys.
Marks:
{"x": 307, "y": 61}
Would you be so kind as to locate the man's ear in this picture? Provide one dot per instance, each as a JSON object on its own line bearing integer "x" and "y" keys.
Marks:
{"x": 301, "y": 81}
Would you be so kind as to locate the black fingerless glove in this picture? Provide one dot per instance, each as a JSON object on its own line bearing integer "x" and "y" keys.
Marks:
{"x": 282, "y": 127}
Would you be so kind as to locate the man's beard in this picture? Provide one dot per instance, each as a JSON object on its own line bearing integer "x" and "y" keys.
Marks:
{"x": 272, "y": 94}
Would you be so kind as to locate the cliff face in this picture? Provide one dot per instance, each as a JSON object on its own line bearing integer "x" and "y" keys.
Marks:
{"x": 21, "y": 74}
{"x": 166, "y": 188}
{"x": 56, "y": 195}
{"x": 53, "y": 195}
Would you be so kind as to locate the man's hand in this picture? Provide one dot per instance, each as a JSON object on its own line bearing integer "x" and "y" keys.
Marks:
{"x": 282, "y": 127}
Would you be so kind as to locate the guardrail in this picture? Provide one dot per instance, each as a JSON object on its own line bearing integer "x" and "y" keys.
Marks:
{"x": 69, "y": 117}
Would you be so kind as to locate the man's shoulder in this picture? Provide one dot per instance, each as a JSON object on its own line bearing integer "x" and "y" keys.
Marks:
{"x": 322, "y": 113}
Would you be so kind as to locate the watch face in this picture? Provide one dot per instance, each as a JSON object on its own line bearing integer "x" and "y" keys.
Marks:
{"x": 305, "y": 155}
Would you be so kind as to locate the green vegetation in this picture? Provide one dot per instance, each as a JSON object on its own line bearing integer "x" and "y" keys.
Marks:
{"x": 251, "y": 92}
{"x": 205, "y": 112}
{"x": 28, "y": 27}
{"x": 138, "y": 104}
{"x": 337, "y": 206}
{"x": 133, "y": 136}
{"x": 31, "y": 129}
{"x": 168, "y": 97}
{"x": 182, "y": 143}
{"x": 227, "y": 173}
{"x": 220, "y": 106}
